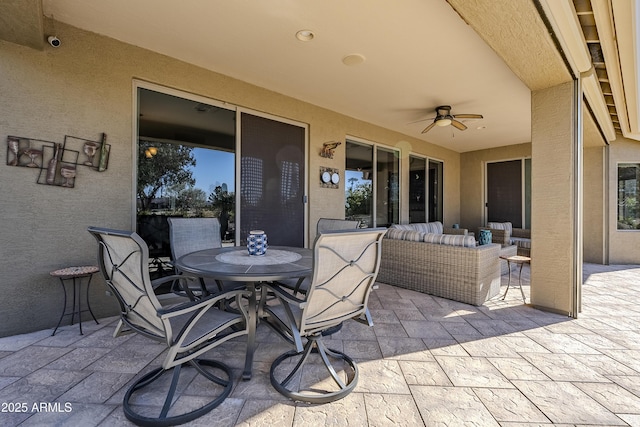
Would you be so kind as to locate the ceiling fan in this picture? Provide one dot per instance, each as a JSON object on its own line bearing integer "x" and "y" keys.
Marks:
{"x": 445, "y": 118}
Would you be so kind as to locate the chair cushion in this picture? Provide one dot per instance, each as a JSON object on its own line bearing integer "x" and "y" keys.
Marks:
{"x": 401, "y": 227}
{"x": 501, "y": 226}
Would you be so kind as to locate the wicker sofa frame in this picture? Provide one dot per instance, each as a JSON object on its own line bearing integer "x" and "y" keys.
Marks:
{"x": 469, "y": 275}
{"x": 505, "y": 238}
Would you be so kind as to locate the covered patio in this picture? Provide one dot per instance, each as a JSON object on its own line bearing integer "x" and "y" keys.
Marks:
{"x": 427, "y": 361}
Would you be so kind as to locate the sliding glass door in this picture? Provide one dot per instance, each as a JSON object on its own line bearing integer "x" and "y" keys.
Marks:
{"x": 508, "y": 192}
{"x": 372, "y": 193}
{"x": 272, "y": 180}
{"x": 188, "y": 166}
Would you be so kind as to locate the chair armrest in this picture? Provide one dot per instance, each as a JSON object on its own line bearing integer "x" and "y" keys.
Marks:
{"x": 187, "y": 307}
{"x": 165, "y": 279}
{"x": 284, "y": 295}
{"x": 502, "y": 237}
{"x": 523, "y": 233}
{"x": 457, "y": 231}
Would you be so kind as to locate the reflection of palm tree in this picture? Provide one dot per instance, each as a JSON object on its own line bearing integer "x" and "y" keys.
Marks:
{"x": 225, "y": 202}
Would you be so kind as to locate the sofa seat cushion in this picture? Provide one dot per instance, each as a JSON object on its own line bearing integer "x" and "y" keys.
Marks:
{"x": 521, "y": 242}
{"x": 450, "y": 239}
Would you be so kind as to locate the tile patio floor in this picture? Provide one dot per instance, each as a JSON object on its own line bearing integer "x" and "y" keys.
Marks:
{"x": 427, "y": 361}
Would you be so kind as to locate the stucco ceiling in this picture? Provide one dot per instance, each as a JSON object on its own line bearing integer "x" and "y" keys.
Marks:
{"x": 418, "y": 54}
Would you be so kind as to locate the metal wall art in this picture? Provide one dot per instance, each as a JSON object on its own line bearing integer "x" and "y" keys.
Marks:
{"x": 25, "y": 152}
{"x": 328, "y": 148}
{"x": 57, "y": 162}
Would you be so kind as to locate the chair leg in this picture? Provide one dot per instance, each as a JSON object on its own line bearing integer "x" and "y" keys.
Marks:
{"x": 315, "y": 345}
{"x": 162, "y": 419}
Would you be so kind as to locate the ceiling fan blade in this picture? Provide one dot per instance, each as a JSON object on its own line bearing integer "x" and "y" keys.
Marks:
{"x": 468, "y": 116}
{"x": 421, "y": 120}
{"x": 458, "y": 125}
{"x": 428, "y": 128}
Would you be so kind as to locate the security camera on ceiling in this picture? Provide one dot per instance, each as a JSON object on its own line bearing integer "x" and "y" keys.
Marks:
{"x": 53, "y": 41}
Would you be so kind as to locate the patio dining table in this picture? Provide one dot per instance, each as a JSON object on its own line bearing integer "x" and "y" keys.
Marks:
{"x": 235, "y": 264}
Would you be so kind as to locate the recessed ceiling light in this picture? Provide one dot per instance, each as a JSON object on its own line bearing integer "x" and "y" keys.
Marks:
{"x": 305, "y": 35}
{"x": 481, "y": 127}
{"x": 353, "y": 59}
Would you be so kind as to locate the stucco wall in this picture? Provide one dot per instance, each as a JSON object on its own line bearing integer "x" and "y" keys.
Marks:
{"x": 85, "y": 88}
{"x": 624, "y": 245}
{"x": 472, "y": 180}
{"x": 593, "y": 244}
{"x": 553, "y": 272}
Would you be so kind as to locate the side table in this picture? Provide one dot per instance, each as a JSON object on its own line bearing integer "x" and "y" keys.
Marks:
{"x": 75, "y": 274}
{"x": 518, "y": 260}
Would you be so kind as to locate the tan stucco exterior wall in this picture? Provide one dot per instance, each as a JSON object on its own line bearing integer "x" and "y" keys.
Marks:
{"x": 595, "y": 205}
{"x": 472, "y": 180}
{"x": 85, "y": 88}
{"x": 552, "y": 198}
{"x": 624, "y": 245}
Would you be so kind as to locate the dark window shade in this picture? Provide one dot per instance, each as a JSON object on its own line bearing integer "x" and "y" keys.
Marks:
{"x": 504, "y": 192}
{"x": 272, "y": 173}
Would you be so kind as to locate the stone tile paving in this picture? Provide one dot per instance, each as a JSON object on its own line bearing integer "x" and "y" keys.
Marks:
{"x": 426, "y": 362}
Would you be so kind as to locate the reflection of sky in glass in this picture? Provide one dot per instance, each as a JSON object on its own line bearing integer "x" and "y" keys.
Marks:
{"x": 351, "y": 175}
{"x": 213, "y": 168}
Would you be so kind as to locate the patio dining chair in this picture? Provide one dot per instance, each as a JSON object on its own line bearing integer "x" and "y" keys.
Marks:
{"x": 330, "y": 224}
{"x": 193, "y": 234}
{"x": 324, "y": 224}
{"x": 345, "y": 266}
{"x": 189, "y": 329}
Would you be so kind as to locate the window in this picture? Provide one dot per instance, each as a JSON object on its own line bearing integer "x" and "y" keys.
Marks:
{"x": 417, "y": 189}
{"x": 628, "y": 196}
{"x": 186, "y": 167}
{"x": 372, "y": 193}
{"x": 387, "y": 187}
{"x": 436, "y": 196}
{"x": 425, "y": 190}
{"x": 359, "y": 183}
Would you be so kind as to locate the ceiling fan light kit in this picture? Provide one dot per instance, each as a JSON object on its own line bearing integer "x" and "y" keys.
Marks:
{"x": 445, "y": 118}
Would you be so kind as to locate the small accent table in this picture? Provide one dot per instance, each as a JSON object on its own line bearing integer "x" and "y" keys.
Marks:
{"x": 75, "y": 274}
{"x": 518, "y": 260}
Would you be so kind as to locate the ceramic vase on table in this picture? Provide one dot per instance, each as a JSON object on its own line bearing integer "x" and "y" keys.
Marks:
{"x": 257, "y": 242}
{"x": 485, "y": 237}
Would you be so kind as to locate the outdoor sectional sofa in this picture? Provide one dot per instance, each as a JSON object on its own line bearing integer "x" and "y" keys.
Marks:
{"x": 448, "y": 266}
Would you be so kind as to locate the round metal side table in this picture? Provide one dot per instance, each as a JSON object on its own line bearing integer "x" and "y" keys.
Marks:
{"x": 75, "y": 275}
{"x": 518, "y": 260}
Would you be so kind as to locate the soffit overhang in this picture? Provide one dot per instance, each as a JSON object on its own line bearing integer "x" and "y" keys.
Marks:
{"x": 518, "y": 34}
{"x": 599, "y": 39}
{"x": 21, "y": 22}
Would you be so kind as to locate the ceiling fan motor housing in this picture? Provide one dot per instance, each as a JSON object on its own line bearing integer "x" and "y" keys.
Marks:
{"x": 445, "y": 118}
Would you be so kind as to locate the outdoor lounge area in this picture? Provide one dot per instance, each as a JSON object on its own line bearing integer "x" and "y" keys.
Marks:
{"x": 427, "y": 361}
